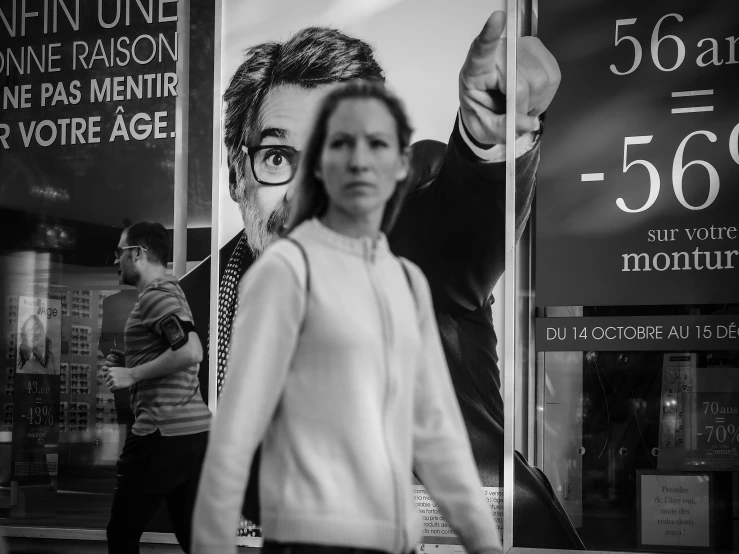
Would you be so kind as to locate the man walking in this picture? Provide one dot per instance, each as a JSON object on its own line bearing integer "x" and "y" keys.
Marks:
{"x": 163, "y": 454}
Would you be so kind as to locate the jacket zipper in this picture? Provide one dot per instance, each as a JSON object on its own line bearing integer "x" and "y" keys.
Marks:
{"x": 370, "y": 260}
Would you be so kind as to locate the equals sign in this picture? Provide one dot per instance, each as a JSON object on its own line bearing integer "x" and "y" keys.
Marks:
{"x": 591, "y": 177}
{"x": 720, "y": 420}
{"x": 37, "y": 401}
{"x": 690, "y": 94}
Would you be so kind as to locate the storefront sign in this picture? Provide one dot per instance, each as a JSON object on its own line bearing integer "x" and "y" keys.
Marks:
{"x": 674, "y": 510}
{"x": 87, "y": 87}
{"x": 636, "y": 201}
{"x": 714, "y": 332}
{"x": 36, "y": 391}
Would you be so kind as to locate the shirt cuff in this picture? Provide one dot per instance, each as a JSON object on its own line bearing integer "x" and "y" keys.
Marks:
{"x": 496, "y": 153}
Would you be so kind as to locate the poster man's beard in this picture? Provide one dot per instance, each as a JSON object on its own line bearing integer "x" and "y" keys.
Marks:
{"x": 261, "y": 230}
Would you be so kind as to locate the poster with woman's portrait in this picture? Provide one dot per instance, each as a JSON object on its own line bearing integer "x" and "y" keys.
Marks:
{"x": 36, "y": 394}
{"x": 39, "y": 336}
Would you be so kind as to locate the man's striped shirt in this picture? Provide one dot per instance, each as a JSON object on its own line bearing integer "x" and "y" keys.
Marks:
{"x": 173, "y": 403}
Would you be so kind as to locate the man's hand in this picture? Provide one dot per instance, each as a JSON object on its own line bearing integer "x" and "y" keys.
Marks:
{"x": 119, "y": 378}
{"x": 482, "y": 83}
{"x": 115, "y": 358}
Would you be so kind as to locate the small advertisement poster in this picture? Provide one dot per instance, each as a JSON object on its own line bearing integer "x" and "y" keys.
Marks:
{"x": 699, "y": 416}
{"x": 36, "y": 392}
{"x": 715, "y": 430}
{"x": 675, "y": 511}
{"x": 39, "y": 335}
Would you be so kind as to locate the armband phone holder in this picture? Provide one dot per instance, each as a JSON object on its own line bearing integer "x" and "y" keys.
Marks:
{"x": 176, "y": 331}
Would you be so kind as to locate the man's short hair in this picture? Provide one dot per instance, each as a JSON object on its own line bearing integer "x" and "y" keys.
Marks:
{"x": 152, "y": 236}
{"x": 313, "y": 56}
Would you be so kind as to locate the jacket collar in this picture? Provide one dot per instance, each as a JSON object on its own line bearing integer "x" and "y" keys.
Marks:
{"x": 366, "y": 247}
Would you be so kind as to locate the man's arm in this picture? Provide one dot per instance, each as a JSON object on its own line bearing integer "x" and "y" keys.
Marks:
{"x": 482, "y": 97}
{"x": 164, "y": 311}
{"x": 453, "y": 222}
{"x": 482, "y": 83}
{"x": 170, "y": 361}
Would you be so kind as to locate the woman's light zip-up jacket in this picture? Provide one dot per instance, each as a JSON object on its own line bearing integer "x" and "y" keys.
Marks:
{"x": 348, "y": 388}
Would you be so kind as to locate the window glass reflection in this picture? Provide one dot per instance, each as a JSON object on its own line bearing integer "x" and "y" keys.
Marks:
{"x": 642, "y": 447}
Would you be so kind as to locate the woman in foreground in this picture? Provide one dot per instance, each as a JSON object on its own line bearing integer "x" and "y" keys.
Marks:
{"x": 336, "y": 367}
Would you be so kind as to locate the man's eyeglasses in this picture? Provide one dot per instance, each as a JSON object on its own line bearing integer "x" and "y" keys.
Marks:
{"x": 120, "y": 249}
{"x": 273, "y": 164}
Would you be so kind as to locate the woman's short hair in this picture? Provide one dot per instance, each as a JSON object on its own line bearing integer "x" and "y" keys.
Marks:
{"x": 310, "y": 198}
{"x": 25, "y": 347}
{"x": 33, "y": 320}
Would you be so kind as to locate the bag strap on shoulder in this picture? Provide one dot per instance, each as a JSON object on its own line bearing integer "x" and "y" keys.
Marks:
{"x": 307, "y": 277}
{"x": 408, "y": 278}
{"x": 305, "y": 258}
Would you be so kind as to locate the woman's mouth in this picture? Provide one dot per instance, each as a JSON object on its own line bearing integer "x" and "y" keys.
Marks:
{"x": 358, "y": 185}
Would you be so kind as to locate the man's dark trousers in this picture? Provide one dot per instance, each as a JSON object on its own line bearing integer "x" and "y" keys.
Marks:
{"x": 153, "y": 469}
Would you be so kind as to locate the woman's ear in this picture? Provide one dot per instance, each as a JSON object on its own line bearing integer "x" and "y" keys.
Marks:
{"x": 317, "y": 173}
{"x": 404, "y": 164}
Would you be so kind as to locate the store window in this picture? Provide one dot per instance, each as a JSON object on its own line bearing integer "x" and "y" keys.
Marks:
{"x": 91, "y": 96}
{"x": 636, "y": 301}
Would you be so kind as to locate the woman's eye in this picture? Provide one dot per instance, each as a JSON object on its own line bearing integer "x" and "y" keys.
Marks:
{"x": 378, "y": 144}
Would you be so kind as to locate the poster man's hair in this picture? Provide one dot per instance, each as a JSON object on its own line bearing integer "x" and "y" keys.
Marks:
{"x": 313, "y": 56}
{"x": 152, "y": 236}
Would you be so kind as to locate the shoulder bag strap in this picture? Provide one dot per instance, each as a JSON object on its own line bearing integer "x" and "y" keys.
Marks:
{"x": 307, "y": 276}
{"x": 407, "y": 274}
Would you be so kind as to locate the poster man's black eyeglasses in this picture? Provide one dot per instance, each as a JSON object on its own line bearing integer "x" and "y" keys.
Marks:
{"x": 273, "y": 164}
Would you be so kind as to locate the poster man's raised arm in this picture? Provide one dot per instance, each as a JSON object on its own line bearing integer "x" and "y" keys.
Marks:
{"x": 482, "y": 84}
{"x": 452, "y": 224}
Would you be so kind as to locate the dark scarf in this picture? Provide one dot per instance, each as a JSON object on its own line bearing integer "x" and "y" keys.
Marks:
{"x": 228, "y": 302}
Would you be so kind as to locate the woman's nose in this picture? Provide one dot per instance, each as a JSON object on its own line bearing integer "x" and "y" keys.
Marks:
{"x": 359, "y": 158}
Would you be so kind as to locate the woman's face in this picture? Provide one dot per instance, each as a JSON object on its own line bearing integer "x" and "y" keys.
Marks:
{"x": 361, "y": 161}
{"x": 34, "y": 333}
